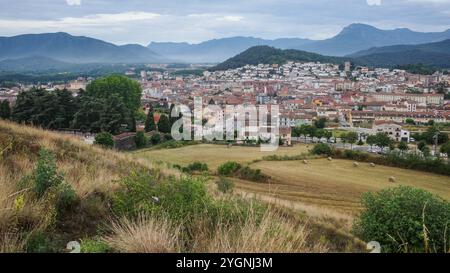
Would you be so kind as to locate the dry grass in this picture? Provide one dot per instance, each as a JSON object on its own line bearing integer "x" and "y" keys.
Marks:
{"x": 274, "y": 234}
{"x": 145, "y": 235}
{"x": 11, "y": 243}
{"x": 337, "y": 184}
{"x": 214, "y": 155}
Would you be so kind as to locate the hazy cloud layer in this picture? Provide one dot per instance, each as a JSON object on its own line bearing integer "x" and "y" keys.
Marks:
{"x": 139, "y": 21}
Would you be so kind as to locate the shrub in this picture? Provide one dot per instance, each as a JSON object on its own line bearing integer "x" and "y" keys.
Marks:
{"x": 252, "y": 174}
{"x": 225, "y": 185}
{"x": 141, "y": 140}
{"x": 45, "y": 175}
{"x": 322, "y": 149}
{"x": 177, "y": 199}
{"x": 94, "y": 246}
{"x": 155, "y": 139}
{"x": 65, "y": 197}
{"x": 229, "y": 168}
{"x": 104, "y": 139}
{"x": 197, "y": 166}
{"x": 405, "y": 219}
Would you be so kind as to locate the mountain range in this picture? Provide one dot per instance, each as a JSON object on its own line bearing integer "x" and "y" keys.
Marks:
{"x": 355, "y": 37}
{"x": 63, "y": 47}
{"x": 367, "y": 44}
{"x": 218, "y": 50}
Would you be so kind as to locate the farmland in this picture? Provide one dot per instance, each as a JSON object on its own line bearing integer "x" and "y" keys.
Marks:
{"x": 334, "y": 185}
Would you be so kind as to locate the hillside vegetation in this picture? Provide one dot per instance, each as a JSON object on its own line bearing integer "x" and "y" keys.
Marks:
{"x": 270, "y": 55}
{"x": 55, "y": 189}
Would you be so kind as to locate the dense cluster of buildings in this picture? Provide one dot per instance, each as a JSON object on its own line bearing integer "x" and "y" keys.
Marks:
{"x": 358, "y": 99}
{"x": 352, "y": 99}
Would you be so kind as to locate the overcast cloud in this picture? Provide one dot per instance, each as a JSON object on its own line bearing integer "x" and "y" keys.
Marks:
{"x": 138, "y": 21}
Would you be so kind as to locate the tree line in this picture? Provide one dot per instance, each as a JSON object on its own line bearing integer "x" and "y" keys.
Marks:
{"x": 109, "y": 104}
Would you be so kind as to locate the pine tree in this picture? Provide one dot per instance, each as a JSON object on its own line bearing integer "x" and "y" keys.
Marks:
{"x": 150, "y": 122}
{"x": 164, "y": 124}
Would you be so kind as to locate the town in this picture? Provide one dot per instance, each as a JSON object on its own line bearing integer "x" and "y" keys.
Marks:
{"x": 349, "y": 99}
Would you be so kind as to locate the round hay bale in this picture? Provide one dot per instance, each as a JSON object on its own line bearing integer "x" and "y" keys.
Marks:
{"x": 372, "y": 164}
{"x": 330, "y": 159}
{"x": 355, "y": 164}
{"x": 305, "y": 161}
{"x": 392, "y": 179}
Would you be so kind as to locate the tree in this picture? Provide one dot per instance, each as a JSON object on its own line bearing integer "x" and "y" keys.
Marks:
{"x": 404, "y": 219}
{"x": 344, "y": 138}
{"x": 320, "y": 123}
{"x": 104, "y": 139}
{"x": 403, "y": 146}
{"x": 445, "y": 149}
{"x": 322, "y": 149}
{"x": 114, "y": 117}
{"x": 127, "y": 90}
{"x": 430, "y": 122}
{"x": 48, "y": 109}
{"x": 164, "y": 125}
{"x": 352, "y": 138}
{"x": 150, "y": 122}
{"x": 87, "y": 119}
{"x": 382, "y": 140}
{"x": 410, "y": 121}
{"x": 5, "y": 110}
{"x": 141, "y": 139}
{"x": 328, "y": 135}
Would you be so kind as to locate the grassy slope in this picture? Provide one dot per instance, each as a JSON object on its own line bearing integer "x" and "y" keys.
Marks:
{"x": 92, "y": 172}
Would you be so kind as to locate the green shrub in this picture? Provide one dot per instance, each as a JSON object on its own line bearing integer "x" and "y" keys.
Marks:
{"x": 321, "y": 149}
{"x": 229, "y": 168}
{"x": 104, "y": 139}
{"x": 94, "y": 246}
{"x": 141, "y": 140}
{"x": 252, "y": 174}
{"x": 156, "y": 139}
{"x": 197, "y": 166}
{"x": 65, "y": 197}
{"x": 39, "y": 242}
{"x": 225, "y": 185}
{"x": 45, "y": 175}
{"x": 405, "y": 219}
{"x": 177, "y": 199}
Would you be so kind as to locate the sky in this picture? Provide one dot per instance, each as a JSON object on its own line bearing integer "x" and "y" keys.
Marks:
{"x": 139, "y": 21}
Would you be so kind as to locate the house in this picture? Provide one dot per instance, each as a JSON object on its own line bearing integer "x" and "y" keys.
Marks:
{"x": 286, "y": 135}
{"x": 392, "y": 129}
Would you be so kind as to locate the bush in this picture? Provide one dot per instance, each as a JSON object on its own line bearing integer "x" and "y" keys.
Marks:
{"x": 155, "y": 139}
{"x": 225, "y": 185}
{"x": 104, "y": 139}
{"x": 229, "y": 168}
{"x": 94, "y": 246}
{"x": 65, "y": 197}
{"x": 45, "y": 175}
{"x": 177, "y": 199}
{"x": 252, "y": 174}
{"x": 405, "y": 219}
{"x": 322, "y": 149}
{"x": 197, "y": 166}
{"x": 141, "y": 140}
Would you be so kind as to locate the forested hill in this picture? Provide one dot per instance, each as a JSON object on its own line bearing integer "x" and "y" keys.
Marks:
{"x": 270, "y": 55}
